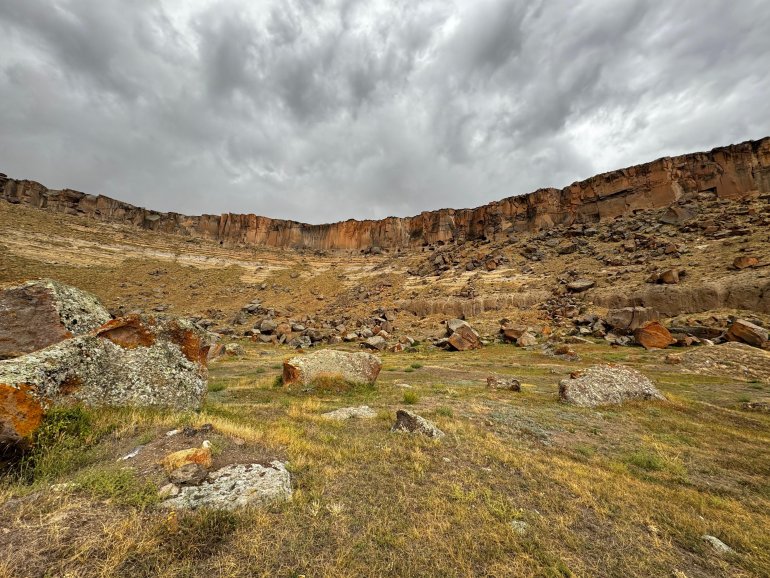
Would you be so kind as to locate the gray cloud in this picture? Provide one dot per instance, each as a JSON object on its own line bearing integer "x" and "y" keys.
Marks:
{"x": 321, "y": 111}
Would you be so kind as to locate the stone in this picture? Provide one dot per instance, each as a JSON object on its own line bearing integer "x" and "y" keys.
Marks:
{"x": 283, "y": 329}
{"x": 527, "y": 339}
{"x": 191, "y": 474}
{"x": 653, "y": 335}
{"x": 378, "y": 343}
{"x": 630, "y": 318}
{"x": 745, "y": 262}
{"x": 200, "y": 456}
{"x": 746, "y": 332}
{"x": 360, "y": 412}
{"x": 268, "y": 326}
{"x": 407, "y": 421}
{"x": 675, "y": 215}
{"x": 669, "y": 277}
{"x": 236, "y": 486}
{"x": 128, "y": 361}
{"x": 356, "y": 367}
{"x": 509, "y": 383}
{"x": 234, "y": 349}
{"x": 607, "y": 385}
{"x": 580, "y": 285}
{"x": 461, "y": 336}
{"x": 761, "y": 406}
{"x": 717, "y": 544}
{"x": 44, "y": 312}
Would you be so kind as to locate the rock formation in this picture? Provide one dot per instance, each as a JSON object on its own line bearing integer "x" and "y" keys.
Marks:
{"x": 332, "y": 364}
{"x": 728, "y": 172}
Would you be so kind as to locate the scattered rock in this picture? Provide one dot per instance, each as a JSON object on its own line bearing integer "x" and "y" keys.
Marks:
{"x": 200, "y": 456}
{"x": 669, "y": 277}
{"x": 746, "y": 332}
{"x": 407, "y": 421}
{"x": 234, "y": 349}
{"x": 630, "y": 318}
{"x": 653, "y": 335}
{"x": 527, "y": 339}
{"x": 509, "y": 383}
{"x": 356, "y": 367}
{"x": 718, "y": 545}
{"x": 745, "y": 262}
{"x": 361, "y": 412}
{"x": 377, "y": 343}
{"x": 461, "y": 336}
{"x": 44, "y": 312}
{"x": 605, "y": 385}
{"x": 580, "y": 285}
{"x": 191, "y": 474}
{"x": 761, "y": 406}
{"x": 236, "y": 486}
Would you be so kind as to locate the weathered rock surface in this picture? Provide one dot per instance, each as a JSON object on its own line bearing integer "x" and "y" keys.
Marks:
{"x": 236, "y": 486}
{"x": 461, "y": 336}
{"x": 747, "y": 332}
{"x": 653, "y": 335}
{"x": 728, "y": 172}
{"x": 607, "y": 385}
{"x": 731, "y": 360}
{"x": 356, "y": 367}
{"x": 630, "y": 318}
{"x": 410, "y": 422}
{"x": 43, "y": 312}
{"x": 509, "y": 383}
{"x": 360, "y": 412}
{"x": 126, "y": 362}
{"x": 200, "y": 456}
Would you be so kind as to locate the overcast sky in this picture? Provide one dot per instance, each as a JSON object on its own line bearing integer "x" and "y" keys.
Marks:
{"x": 322, "y": 111}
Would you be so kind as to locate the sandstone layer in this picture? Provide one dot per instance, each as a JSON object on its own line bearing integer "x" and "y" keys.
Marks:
{"x": 729, "y": 172}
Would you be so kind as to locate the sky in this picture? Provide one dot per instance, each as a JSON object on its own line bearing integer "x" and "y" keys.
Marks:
{"x": 321, "y": 111}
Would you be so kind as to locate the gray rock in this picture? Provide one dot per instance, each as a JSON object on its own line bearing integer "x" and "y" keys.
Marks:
{"x": 356, "y": 367}
{"x": 268, "y": 326}
{"x": 580, "y": 285}
{"x": 377, "y": 343}
{"x": 496, "y": 382}
{"x": 188, "y": 475}
{"x": 236, "y": 486}
{"x": 361, "y": 412}
{"x": 718, "y": 545}
{"x": 235, "y": 349}
{"x": 630, "y": 318}
{"x": 407, "y": 421}
{"x": 606, "y": 385}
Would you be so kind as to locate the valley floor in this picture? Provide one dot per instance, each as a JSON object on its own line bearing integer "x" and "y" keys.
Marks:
{"x": 522, "y": 485}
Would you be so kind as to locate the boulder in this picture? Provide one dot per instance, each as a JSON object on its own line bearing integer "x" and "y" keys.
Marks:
{"x": 512, "y": 333}
{"x": 746, "y": 332}
{"x": 527, "y": 339}
{"x": 508, "y": 383}
{"x": 607, "y": 385}
{"x": 653, "y": 335}
{"x": 43, "y": 312}
{"x": 356, "y": 367}
{"x": 630, "y": 318}
{"x": 129, "y": 361}
{"x": 191, "y": 474}
{"x": 235, "y": 486}
{"x": 745, "y": 262}
{"x": 361, "y": 412}
{"x": 669, "y": 277}
{"x": 580, "y": 285}
{"x": 234, "y": 349}
{"x": 377, "y": 343}
{"x": 461, "y": 336}
{"x": 409, "y": 422}
{"x": 200, "y": 456}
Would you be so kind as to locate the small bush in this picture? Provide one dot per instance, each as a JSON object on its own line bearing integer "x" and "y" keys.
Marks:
{"x": 260, "y": 370}
{"x": 216, "y": 386}
{"x": 410, "y": 397}
{"x": 646, "y": 460}
{"x": 416, "y": 365}
{"x": 278, "y": 381}
{"x": 445, "y": 411}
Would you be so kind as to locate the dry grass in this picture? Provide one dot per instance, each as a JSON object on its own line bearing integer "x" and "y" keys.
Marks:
{"x": 612, "y": 492}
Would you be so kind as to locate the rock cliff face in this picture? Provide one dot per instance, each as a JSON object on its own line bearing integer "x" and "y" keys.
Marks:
{"x": 729, "y": 172}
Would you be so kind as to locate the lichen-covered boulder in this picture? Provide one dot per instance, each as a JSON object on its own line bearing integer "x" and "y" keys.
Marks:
{"x": 129, "y": 361}
{"x": 356, "y": 367}
{"x": 410, "y": 422}
{"x": 43, "y": 312}
{"x": 607, "y": 385}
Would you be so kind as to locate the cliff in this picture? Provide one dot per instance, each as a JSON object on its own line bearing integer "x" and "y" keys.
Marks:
{"x": 729, "y": 172}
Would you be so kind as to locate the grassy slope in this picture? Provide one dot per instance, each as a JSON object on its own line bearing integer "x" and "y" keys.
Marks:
{"x": 611, "y": 492}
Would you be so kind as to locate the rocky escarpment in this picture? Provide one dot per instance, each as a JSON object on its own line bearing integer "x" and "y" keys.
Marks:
{"x": 729, "y": 172}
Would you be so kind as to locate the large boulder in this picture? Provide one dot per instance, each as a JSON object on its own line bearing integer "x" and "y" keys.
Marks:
{"x": 43, "y": 312}
{"x": 747, "y": 332}
{"x": 653, "y": 335}
{"x": 129, "y": 361}
{"x": 461, "y": 336}
{"x": 607, "y": 385}
{"x": 630, "y": 318}
{"x": 356, "y": 367}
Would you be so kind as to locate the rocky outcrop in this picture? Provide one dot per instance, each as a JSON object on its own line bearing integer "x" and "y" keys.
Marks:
{"x": 127, "y": 362}
{"x": 729, "y": 172}
{"x": 43, "y": 312}
{"x": 332, "y": 364}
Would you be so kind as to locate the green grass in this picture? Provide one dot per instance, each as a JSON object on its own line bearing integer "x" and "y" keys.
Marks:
{"x": 215, "y": 386}
{"x": 646, "y": 460}
{"x": 121, "y": 485}
{"x": 416, "y": 365}
{"x": 410, "y": 397}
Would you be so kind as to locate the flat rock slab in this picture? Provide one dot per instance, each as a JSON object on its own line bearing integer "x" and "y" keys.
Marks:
{"x": 236, "y": 486}
{"x": 357, "y": 367}
{"x": 607, "y": 385}
{"x": 731, "y": 360}
{"x": 361, "y": 412}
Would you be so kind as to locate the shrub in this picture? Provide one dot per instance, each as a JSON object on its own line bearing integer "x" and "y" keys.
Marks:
{"x": 416, "y": 365}
{"x": 411, "y": 397}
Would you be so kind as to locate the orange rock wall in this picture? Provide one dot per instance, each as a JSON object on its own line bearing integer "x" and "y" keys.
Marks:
{"x": 731, "y": 172}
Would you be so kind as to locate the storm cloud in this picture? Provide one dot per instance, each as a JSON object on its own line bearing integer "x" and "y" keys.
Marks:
{"x": 322, "y": 111}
